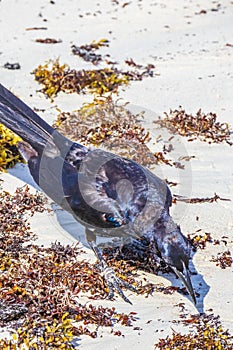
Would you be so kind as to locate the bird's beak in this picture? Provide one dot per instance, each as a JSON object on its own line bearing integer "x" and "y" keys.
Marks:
{"x": 185, "y": 278}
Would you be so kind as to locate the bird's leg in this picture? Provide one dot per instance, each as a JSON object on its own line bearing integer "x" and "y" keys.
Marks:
{"x": 113, "y": 282}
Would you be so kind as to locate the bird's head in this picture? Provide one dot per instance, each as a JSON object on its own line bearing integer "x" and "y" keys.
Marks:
{"x": 175, "y": 249}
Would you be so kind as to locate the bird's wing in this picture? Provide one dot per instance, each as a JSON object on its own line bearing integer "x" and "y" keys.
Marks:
{"x": 115, "y": 190}
{"x": 112, "y": 185}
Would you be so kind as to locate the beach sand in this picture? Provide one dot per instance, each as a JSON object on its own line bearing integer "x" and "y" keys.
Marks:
{"x": 191, "y": 46}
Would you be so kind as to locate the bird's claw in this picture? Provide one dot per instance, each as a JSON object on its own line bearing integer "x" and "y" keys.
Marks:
{"x": 114, "y": 283}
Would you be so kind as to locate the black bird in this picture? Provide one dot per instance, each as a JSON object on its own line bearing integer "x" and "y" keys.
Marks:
{"x": 111, "y": 196}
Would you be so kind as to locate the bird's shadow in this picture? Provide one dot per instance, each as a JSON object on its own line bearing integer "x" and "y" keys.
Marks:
{"x": 77, "y": 232}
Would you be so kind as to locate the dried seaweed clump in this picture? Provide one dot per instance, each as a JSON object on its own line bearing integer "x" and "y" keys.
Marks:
{"x": 202, "y": 126}
{"x": 88, "y": 52}
{"x": 199, "y": 240}
{"x": 56, "y": 77}
{"x": 214, "y": 198}
{"x": 15, "y": 229}
{"x": 135, "y": 257}
{"x": 107, "y": 124}
{"x": 9, "y": 154}
{"x": 40, "y": 302}
{"x": 206, "y": 333}
{"x": 223, "y": 260}
{"x": 110, "y": 125}
{"x": 48, "y": 41}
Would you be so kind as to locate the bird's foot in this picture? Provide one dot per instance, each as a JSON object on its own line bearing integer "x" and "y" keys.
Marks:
{"x": 114, "y": 283}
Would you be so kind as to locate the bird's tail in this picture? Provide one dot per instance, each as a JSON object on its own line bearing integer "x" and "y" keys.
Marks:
{"x": 23, "y": 121}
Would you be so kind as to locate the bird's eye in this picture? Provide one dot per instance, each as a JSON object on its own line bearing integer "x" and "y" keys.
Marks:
{"x": 113, "y": 220}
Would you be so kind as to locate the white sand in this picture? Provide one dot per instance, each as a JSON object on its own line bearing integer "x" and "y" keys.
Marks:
{"x": 196, "y": 71}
